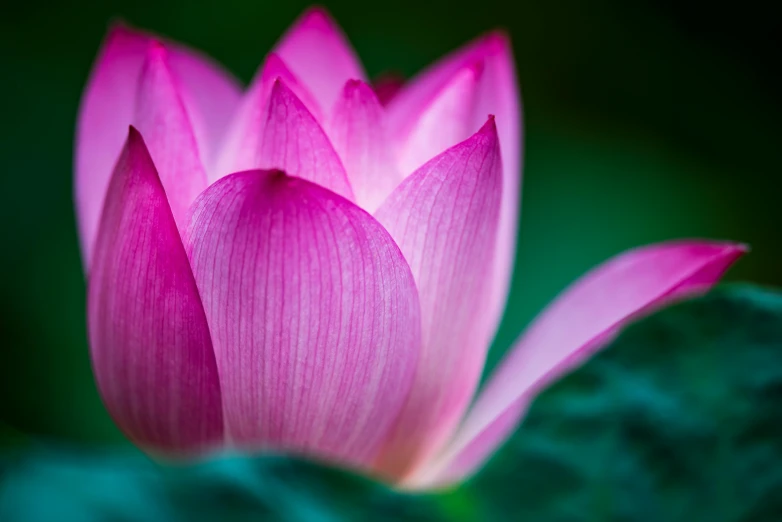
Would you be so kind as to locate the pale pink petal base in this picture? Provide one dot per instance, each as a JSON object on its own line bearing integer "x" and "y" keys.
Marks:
{"x": 579, "y": 322}
{"x": 444, "y": 218}
{"x": 314, "y": 316}
{"x": 151, "y": 350}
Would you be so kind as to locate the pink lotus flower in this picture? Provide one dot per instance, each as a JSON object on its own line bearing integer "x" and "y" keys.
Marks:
{"x": 300, "y": 267}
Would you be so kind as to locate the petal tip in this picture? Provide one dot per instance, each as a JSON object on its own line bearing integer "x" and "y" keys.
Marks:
{"x": 317, "y": 16}
{"x": 497, "y": 40}
{"x": 358, "y": 89}
{"x": 476, "y": 67}
{"x": 742, "y": 248}
{"x": 119, "y": 28}
{"x": 489, "y": 129}
{"x": 156, "y": 49}
{"x": 134, "y": 137}
{"x": 733, "y": 251}
{"x": 353, "y": 84}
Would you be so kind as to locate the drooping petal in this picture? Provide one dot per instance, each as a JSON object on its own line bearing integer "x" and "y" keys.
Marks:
{"x": 318, "y": 53}
{"x": 276, "y": 131}
{"x": 358, "y": 132}
{"x": 161, "y": 117}
{"x": 313, "y": 312}
{"x": 444, "y": 122}
{"x": 444, "y": 218}
{"x": 149, "y": 339}
{"x": 108, "y": 105}
{"x": 498, "y": 94}
{"x": 577, "y": 324}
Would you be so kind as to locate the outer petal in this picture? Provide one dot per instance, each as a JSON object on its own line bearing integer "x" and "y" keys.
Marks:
{"x": 318, "y": 53}
{"x": 359, "y": 135}
{"x": 444, "y": 122}
{"x": 498, "y": 94}
{"x": 108, "y": 106}
{"x": 276, "y": 131}
{"x": 444, "y": 218}
{"x": 161, "y": 116}
{"x": 582, "y": 320}
{"x": 150, "y": 344}
{"x": 314, "y": 315}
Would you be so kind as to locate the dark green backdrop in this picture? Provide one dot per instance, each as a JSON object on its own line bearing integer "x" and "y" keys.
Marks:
{"x": 643, "y": 123}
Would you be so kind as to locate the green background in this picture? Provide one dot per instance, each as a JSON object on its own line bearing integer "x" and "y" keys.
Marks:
{"x": 643, "y": 122}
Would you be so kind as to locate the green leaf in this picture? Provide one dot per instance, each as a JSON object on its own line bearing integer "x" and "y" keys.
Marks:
{"x": 64, "y": 484}
{"x": 680, "y": 419}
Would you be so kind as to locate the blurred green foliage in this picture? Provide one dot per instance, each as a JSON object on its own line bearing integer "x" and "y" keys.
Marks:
{"x": 644, "y": 121}
{"x": 677, "y": 420}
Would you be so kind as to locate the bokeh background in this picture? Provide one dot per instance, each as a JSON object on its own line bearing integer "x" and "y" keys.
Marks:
{"x": 644, "y": 121}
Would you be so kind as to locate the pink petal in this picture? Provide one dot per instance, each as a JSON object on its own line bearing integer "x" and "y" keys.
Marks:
{"x": 578, "y": 323}
{"x": 359, "y": 136}
{"x": 108, "y": 106}
{"x": 275, "y": 68}
{"x": 211, "y": 96}
{"x": 318, "y": 53}
{"x": 245, "y": 134}
{"x": 161, "y": 116}
{"x": 276, "y": 131}
{"x": 444, "y": 218}
{"x": 150, "y": 344}
{"x": 498, "y": 94}
{"x": 444, "y": 122}
{"x": 313, "y": 312}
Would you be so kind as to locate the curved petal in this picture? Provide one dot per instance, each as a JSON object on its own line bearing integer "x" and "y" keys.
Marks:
{"x": 281, "y": 133}
{"x": 498, "y": 94}
{"x": 313, "y": 312}
{"x": 108, "y": 105}
{"x": 577, "y": 324}
{"x": 161, "y": 117}
{"x": 444, "y": 218}
{"x": 149, "y": 340}
{"x": 359, "y": 136}
{"x": 444, "y": 122}
{"x": 318, "y": 53}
